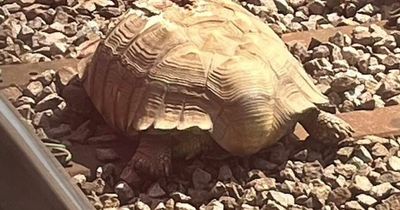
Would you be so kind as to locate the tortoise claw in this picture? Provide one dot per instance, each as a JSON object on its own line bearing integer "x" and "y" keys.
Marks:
{"x": 331, "y": 124}
{"x": 327, "y": 127}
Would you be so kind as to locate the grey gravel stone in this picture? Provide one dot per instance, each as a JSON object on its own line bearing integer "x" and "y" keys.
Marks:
{"x": 351, "y": 55}
{"x": 343, "y": 83}
{"x": 339, "y": 63}
{"x": 339, "y": 196}
{"x": 319, "y": 192}
{"x": 96, "y": 186}
{"x": 282, "y": 199}
{"x": 297, "y": 3}
{"x": 395, "y": 100}
{"x": 358, "y": 162}
{"x": 317, "y": 7}
{"x": 283, "y": 7}
{"x": 26, "y": 111}
{"x": 391, "y": 61}
{"x": 382, "y": 190}
{"x": 33, "y": 58}
{"x": 391, "y": 203}
{"x": 379, "y": 165}
{"x": 321, "y": 51}
{"x": 272, "y": 205}
{"x": 249, "y": 207}
{"x": 262, "y": 184}
{"x": 361, "y": 184}
{"x": 394, "y": 163}
{"x": 353, "y": 205}
{"x": 256, "y": 174}
{"x": 362, "y": 18}
{"x": 366, "y": 200}
{"x": 368, "y": 9}
{"x": 42, "y": 119}
{"x": 361, "y": 35}
{"x": 214, "y": 205}
{"x": 346, "y": 170}
{"x": 51, "y": 101}
{"x": 184, "y": 206}
{"x": 364, "y": 154}
{"x": 287, "y": 187}
{"x": 160, "y": 206}
{"x": 141, "y": 206}
{"x": 180, "y": 197}
{"x": 389, "y": 177}
{"x": 170, "y": 204}
{"x": 312, "y": 170}
{"x": 338, "y": 39}
{"x": 33, "y": 89}
{"x": 318, "y": 67}
{"x": 345, "y": 153}
{"x": 229, "y": 202}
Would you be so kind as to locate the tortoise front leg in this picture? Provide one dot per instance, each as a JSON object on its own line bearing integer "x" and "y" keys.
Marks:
{"x": 325, "y": 127}
{"x": 152, "y": 158}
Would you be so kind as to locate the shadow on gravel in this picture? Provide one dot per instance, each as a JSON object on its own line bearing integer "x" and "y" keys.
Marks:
{"x": 210, "y": 175}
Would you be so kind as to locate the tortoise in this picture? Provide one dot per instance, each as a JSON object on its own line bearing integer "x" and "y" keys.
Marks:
{"x": 212, "y": 67}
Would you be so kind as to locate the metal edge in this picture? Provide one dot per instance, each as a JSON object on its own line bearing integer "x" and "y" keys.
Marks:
{"x": 30, "y": 177}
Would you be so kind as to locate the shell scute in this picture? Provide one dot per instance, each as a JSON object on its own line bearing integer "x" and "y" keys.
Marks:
{"x": 216, "y": 67}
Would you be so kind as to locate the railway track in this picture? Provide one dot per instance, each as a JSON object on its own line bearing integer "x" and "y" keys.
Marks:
{"x": 387, "y": 124}
{"x": 44, "y": 174}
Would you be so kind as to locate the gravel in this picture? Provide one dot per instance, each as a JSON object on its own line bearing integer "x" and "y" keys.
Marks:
{"x": 308, "y": 175}
{"x": 302, "y": 15}
{"x": 356, "y": 72}
{"x": 35, "y": 31}
{"x": 360, "y": 71}
{"x": 41, "y": 30}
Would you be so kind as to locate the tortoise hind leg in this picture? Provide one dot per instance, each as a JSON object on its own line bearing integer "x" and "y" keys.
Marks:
{"x": 152, "y": 158}
{"x": 325, "y": 127}
{"x": 154, "y": 154}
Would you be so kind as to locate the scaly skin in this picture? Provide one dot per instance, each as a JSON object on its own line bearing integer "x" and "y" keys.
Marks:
{"x": 325, "y": 127}
{"x": 152, "y": 159}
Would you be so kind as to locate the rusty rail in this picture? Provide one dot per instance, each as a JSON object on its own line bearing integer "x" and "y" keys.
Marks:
{"x": 322, "y": 35}
{"x": 385, "y": 124}
{"x": 19, "y": 74}
{"x": 385, "y": 120}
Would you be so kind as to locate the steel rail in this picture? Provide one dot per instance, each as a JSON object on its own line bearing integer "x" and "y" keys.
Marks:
{"x": 322, "y": 35}
{"x": 30, "y": 177}
{"x": 20, "y": 74}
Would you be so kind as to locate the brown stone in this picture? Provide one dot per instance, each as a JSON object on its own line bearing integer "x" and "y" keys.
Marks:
{"x": 339, "y": 196}
{"x": 391, "y": 203}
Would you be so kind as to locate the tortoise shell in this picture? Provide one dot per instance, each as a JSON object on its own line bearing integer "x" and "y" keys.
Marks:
{"x": 214, "y": 66}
